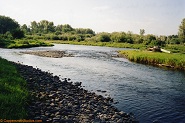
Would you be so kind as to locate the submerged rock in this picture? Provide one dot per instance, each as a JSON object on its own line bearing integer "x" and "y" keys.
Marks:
{"x": 52, "y": 54}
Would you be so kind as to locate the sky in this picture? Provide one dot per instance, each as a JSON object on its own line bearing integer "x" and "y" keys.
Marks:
{"x": 159, "y": 17}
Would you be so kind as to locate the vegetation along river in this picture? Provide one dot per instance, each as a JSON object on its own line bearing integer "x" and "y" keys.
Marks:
{"x": 150, "y": 93}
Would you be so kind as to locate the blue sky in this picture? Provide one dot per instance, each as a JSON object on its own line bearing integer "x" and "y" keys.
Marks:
{"x": 159, "y": 17}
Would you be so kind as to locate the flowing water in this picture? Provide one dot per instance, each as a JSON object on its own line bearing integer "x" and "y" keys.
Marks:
{"x": 150, "y": 93}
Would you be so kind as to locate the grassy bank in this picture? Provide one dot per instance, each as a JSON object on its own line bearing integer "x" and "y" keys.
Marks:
{"x": 106, "y": 44}
{"x": 13, "y": 92}
{"x": 176, "y": 61}
{"x": 170, "y": 47}
{"x": 175, "y": 48}
{"x": 23, "y": 43}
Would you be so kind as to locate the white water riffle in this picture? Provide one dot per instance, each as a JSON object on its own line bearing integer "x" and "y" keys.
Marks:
{"x": 150, "y": 93}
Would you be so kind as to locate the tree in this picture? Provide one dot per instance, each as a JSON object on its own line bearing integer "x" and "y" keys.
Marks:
{"x": 129, "y": 38}
{"x": 149, "y": 38}
{"x": 58, "y": 28}
{"x": 10, "y": 28}
{"x": 67, "y": 28}
{"x": 25, "y": 29}
{"x": 7, "y": 24}
{"x": 51, "y": 27}
{"x": 17, "y": 33}
{"x": 103, "y": 37}
{"x": 34, "y": 27}
{"x": 118, "y": 37}
{"x": 84, "y": 31}
{"x": 142, "y": 32}
{"x": 181, "y": 32}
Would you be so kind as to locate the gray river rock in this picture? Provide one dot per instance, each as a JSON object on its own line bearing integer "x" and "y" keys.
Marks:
{"x": 152, "y": 94}
{"x": 53, "y": 100}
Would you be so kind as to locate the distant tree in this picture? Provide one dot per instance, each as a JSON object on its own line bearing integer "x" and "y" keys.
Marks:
{"x": 7, "y": 24}
{"x": 34, "y": 27}
{"x": 25, "y": 29}
{"x": 142, "y": 32}
{"x": 17, "y": 33}
{"x": 171, "y": 39}
{"x": 137, "y": 39}
{"x": 149, "y": 38}
{"x": 129, "y": 37}
{"x": 45, "y": 26}
{"x": 67, "y": 28}
{"x": 163, "y": 38}
{"x": 175, "y": 41}
{"x": 103, "y": 37}
{"x": 51, "y": 27}
{"x": 181, "y": 32}
{"x": 10, "y": 28}
{"x": 84, "y": 31}
{"x": 118, "y": 37}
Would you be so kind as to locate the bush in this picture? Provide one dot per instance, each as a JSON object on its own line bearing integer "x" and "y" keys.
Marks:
{"x": 54, "y": 37}
{"x": 103, "y": 37}
{"x": 17, "y": 34}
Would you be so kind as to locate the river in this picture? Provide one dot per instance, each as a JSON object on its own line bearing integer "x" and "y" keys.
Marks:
{"x": 150, "y": 93}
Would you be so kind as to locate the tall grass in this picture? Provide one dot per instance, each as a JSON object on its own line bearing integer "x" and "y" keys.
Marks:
{"x": 13, "y": 92}
{"x": 176, "y": 61}
{"x": 176, "y": 48}
{"x": 24, "y": 43}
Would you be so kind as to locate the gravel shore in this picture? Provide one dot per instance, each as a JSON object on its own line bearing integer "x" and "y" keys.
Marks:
{"x": 55, "y": 100}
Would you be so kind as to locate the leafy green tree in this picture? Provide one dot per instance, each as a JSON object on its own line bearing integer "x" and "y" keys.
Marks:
{"x": 129, "y": 37}
{"x": 45, "y": 27}
{"x": 10, "y": 28}
{"x": 149, "y": 38}
{"x": 103, "y": 37}
{"x": 7, "y": 24}
{"x": 172, "y": 39}
{"x": 25, "y": 29}
{"x": 8, "y": 35}
{"x": 58, "y": 28}
{"x": 175, "y": 41}
{"x": 181, "y": 32}
{"x": 17, "y": 33}
{"x": 67, "y": 28}
{"x": 137, "y": 39}
{"x": 118, "y": 37}
{"x": 84, "y": 31}
{"x": 34, "y": 27}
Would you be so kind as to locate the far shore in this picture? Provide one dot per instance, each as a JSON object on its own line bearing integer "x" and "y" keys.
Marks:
{"x": 172, "y": 61}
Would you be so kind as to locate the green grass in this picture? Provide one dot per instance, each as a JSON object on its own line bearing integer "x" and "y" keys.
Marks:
{"x": 13, "y": 92}
{"x": 24, "y": 43}
{"x": 173, "y": 48}
{"x": 176, "y": 48}
{"x": 106, "y": 44}
{"x": 176, "y": 61}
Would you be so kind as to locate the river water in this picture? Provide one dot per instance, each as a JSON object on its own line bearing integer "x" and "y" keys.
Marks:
{"x": 150, "y": 93}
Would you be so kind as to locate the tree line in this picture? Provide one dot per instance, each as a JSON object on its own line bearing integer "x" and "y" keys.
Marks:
{"x": 46, "y": 30}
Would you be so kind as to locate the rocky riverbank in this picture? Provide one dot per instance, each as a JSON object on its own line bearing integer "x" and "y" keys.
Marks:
{"x": 53, "y": 54}
{"x": 55, "y": 100}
